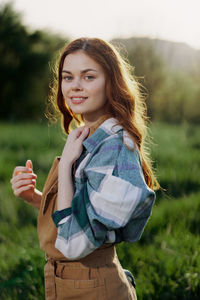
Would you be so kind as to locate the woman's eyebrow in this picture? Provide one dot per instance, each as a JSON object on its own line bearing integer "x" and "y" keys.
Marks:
{"x": 65, "y": 71}
{"x": 82, "y": 72}
{"x": 88, "y": 70}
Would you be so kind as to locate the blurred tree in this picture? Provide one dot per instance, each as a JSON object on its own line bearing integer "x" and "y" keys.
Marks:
{"x": 24, "y": 64}
{"x": 178, "y": 100}
{"x": 150, "y": 70}
{"x": 172, "y": 94}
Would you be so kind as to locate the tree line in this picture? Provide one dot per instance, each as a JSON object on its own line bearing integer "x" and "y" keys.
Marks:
{"x": 25, "y": 63}
{"x": 27, "y": 57}
{"x": 173, "y": 95}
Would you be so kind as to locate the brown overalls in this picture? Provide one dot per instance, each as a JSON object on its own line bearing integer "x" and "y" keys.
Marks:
{"x": 98, "y": 276}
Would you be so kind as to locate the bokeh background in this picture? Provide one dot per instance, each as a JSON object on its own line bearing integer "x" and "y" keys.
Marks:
{"x": 161, "y": 39}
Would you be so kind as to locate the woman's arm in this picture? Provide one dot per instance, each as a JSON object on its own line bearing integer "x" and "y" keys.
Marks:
{"x": 36, "y": 199}
{"x": 23, "y": 184}
{"x": 65, "y": 186}
{"x": 71, "y": 153}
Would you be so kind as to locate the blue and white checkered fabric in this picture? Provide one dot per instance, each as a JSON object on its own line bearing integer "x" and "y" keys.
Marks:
{"x": 112, "y": 201}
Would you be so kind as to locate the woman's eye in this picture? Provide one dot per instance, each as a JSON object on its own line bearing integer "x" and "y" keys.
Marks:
{"x": 89, "y": 77}
{"x": 67, "y": 78}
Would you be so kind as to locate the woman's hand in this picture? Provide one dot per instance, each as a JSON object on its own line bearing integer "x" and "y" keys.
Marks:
{"x": 71, "y": 152}
{"x": 23, "y": 184}
{"x": 73, "y": 147}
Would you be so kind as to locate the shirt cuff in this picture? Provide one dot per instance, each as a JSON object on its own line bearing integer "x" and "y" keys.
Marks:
{"x": 58, "y": 215}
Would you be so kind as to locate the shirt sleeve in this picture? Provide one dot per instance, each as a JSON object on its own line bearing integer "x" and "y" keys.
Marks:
{"x": 113, "y": 204}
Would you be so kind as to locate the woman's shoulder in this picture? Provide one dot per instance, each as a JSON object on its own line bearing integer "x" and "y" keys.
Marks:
{"x": 116, "y": 132}
{"x": 121, "y": 141}
{"x": 109, "y": 140}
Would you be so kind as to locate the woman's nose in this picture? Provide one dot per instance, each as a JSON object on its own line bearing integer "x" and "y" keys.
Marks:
{"x": 76, "y": 84}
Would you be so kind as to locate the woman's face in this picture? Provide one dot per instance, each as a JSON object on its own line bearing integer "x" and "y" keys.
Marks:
{"x": 83, "y": 86}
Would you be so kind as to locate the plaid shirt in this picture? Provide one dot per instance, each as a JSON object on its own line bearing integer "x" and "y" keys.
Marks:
{"x": 111, "y": 202}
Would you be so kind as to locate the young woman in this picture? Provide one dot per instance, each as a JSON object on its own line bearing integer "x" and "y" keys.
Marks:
{"x": 100, "y": 191}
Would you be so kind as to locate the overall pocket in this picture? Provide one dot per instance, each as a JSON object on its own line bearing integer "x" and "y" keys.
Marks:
{"x": 77, "y": 283}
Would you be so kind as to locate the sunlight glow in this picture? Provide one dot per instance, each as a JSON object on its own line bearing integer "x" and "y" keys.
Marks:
{"x": 175, "y": 20}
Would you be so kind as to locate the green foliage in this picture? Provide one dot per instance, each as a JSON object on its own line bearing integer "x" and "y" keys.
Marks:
{"x": 22, "y": 268}
{"x": 177, "y": 99}
{"x": 177, "y": 163}
{"x": 24, "y": 62}
{"x": 172, "y": 95}
{"x": 150, "y": 70}
{"x": 165, "y": 262}
{"x": 22, "y": 261}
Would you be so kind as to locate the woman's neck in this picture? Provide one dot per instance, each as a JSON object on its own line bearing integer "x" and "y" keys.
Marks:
{"x": 93, "y": 125}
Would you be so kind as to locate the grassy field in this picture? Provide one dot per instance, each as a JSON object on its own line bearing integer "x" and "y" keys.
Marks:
{"x": 165, "y": 262}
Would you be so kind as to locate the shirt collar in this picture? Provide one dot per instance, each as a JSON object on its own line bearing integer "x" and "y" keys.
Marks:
{"x": 107, "y": 128}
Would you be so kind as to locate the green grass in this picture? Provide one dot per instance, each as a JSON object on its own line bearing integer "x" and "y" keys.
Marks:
{"x": 177, "y": 158}
{"x": 165, "y": 262}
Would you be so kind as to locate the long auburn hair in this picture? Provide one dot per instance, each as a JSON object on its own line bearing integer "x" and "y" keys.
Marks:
{"x": 124, "y": 99}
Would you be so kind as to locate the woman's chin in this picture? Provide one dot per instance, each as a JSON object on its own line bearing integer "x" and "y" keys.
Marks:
{"x": 78, "y": 111}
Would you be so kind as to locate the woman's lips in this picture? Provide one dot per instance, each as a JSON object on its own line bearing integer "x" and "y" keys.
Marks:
{"x": 78, "y": 100}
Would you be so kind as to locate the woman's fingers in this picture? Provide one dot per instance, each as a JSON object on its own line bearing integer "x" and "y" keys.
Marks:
{"x": 20, "y": 183}
{"x": 84, "y": 133}
{"x": 27, "y": 169}
{"x": 29, "y": 164}
{"x": 24, "y": 181}
{"x": 20, "y": 169}
{"x": 22, "y": 189}
{"x": 77, "y": 133}
{"x": 23, "y": 175}
{"x": 73, "y": 147}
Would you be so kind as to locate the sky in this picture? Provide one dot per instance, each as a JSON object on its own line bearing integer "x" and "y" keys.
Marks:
{"x": 174, "y": 20}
